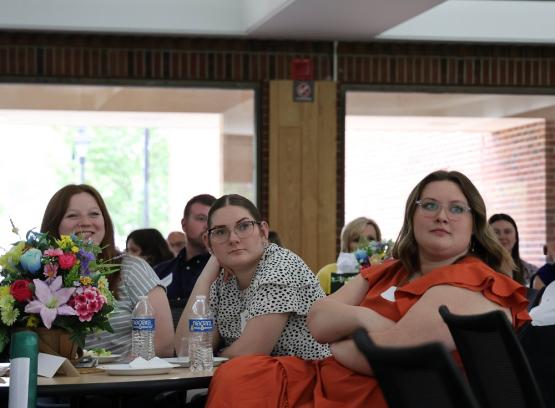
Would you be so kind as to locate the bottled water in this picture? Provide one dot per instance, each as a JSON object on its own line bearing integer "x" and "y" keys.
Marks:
{"x": 142, "y": 340}
{"x": 201, "y": 324}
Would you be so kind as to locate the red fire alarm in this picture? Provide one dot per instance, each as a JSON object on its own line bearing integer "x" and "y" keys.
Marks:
{"x": 302, "y": 69}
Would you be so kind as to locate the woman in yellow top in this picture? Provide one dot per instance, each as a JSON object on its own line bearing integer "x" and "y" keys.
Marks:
{"x": 352, "y": 233}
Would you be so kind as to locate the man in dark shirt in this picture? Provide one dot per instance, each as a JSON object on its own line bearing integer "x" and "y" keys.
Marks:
{"x": 180, "y": 274}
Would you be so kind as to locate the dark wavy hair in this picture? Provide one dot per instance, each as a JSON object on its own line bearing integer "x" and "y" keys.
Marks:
{"x": 154, "y": 248}
{"x": 236, "y": 200}
{"x": 483, "y": 243}
{"x": 56, "y": 209}
{"x": 518, "y": 271}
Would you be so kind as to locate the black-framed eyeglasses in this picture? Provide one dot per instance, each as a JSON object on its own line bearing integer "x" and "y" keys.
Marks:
{"x": 455, "y": 210}
{"x": 242, "y": 229}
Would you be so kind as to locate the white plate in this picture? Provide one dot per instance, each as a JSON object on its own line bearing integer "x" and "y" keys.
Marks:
{"x": 106, "y": 359}
{"x": 124, "y": 369}
{"x": 184, "y": 361}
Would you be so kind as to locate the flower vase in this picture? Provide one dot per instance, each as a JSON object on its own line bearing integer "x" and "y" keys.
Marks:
{"x": 58, "y": 343}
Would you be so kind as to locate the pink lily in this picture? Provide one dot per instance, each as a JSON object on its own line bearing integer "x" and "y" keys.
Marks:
{"x": 50, "y": 301}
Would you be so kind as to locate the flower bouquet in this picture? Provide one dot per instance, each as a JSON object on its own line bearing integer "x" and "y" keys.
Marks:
{"x": 349, "y": 264}
{"x": 373, "y": 252}
{"x": 48, "y": 282}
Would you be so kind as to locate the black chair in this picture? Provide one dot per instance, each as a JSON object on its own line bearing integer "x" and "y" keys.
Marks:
{"x": 416, "y": 377}
{"x": 495, "y": 364}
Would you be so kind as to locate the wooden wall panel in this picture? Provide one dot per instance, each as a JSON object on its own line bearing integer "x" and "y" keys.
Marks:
{"x": 327, "y": 173}
{"x": 302, "y": 170}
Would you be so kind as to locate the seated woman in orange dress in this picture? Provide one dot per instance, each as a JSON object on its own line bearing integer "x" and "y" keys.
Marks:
{"x": 445, "y": 255}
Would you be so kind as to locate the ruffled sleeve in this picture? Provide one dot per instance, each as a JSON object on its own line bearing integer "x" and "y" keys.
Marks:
{"x": 283, "y": 284}
{"x": 472, "y": 274}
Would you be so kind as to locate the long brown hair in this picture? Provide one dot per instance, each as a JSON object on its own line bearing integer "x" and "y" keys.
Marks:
{"x": 518, "y": 272}
{"x": 483, "y": 243}
{"x": 55, "y": 211}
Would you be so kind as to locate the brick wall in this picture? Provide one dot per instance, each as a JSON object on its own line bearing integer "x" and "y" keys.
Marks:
{"x": 182, "y": 61}
{"x": 513, "y": 180}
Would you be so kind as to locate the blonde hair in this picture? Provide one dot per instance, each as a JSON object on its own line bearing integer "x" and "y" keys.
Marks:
{"x": 352, "y": 230}
{"x": 483, "y": 242}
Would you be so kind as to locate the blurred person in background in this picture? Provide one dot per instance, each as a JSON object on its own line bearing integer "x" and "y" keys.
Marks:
{"x": 149, "y": 244}
{"x": 273, "y": 237}
{"x": 180, "y": 274}
{"x": 359, "y": 228}
{"x": 506, "y": 230}
{"x": 176, "y": 241}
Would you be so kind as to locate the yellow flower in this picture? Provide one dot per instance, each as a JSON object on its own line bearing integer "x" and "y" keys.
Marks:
{"x": 74, "y": 249}
{"x": 6, "y": 302}
{"x": 12, "y": 256}
{"x": 102, "y": 285}
{"x": 9, "y": 316}
{"x": 65, "y": 242}
{"x": 102, "y": 282}
{"x": 85, "y": 280}
{"x": 376, "y": 259}
{"x": 32, "y": 321}
{"x": 4, "y": 290}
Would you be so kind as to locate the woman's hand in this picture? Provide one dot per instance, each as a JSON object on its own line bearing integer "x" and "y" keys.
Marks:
{"x": 347, "y": 354}
{"x": 211, "y": 270}
{"x": 260, "y": 335}
{"x": 202, "y": 287}
{"x": 330, "y": 320}
{"x": 338, "y": 315}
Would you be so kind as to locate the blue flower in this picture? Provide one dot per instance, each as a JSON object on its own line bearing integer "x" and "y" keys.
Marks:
{"x": 361, "y": 256}
{"x": 30, "y": 260}
{"x": 85, "y": 257}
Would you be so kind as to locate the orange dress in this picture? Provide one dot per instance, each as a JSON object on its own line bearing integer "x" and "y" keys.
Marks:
{"x": 286, "y": 382}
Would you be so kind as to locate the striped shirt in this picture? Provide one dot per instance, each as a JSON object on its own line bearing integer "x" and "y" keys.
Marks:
{"x": 137, "y": 279}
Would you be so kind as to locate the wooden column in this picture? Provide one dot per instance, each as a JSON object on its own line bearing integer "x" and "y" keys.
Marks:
{"x": 302, "y": 176}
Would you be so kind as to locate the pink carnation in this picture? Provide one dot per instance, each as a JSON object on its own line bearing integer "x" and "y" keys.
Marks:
{"x": 53, "y": 252}
{"x": 66, "y": 261}
{"x": 87, "y": 301}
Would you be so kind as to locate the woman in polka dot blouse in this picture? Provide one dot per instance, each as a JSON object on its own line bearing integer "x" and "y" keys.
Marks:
{"x": 260, "y": 293}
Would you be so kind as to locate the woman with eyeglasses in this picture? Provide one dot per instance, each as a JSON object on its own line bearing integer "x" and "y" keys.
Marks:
{"x": 445, "y": 254}
{"x": 259, "y": 293}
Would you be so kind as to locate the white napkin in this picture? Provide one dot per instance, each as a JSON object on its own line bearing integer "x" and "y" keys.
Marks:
{"x": 347, "y": 262}
{"x": 48, "y": 365}
{"x": 154, "y": 362}
{"x": 544, "y": 313}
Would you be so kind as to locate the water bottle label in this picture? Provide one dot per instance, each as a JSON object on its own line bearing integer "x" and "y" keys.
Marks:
{"x": 201, "y": 325}
{"x": 143, "y": 324}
